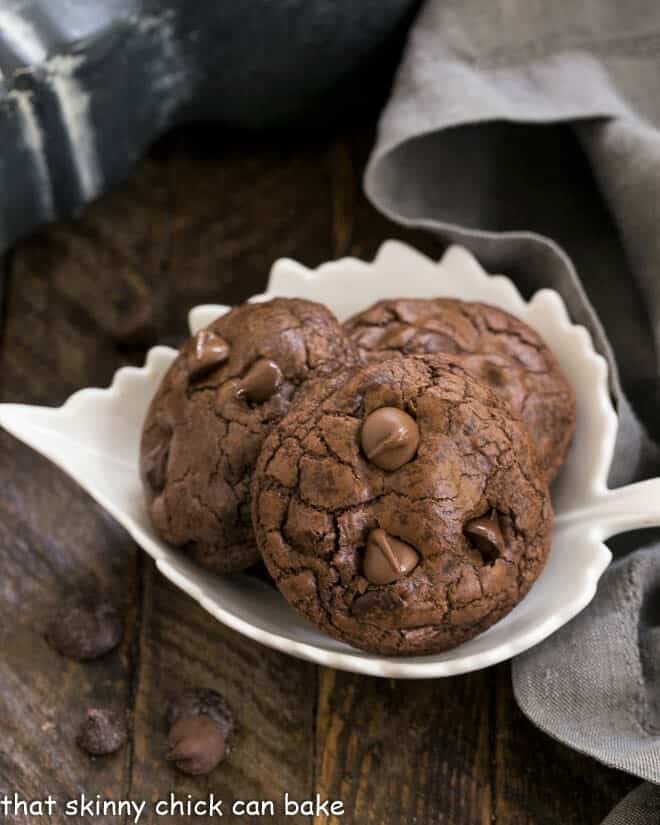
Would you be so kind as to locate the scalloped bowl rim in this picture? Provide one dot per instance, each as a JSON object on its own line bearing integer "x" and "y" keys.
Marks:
{"x": 284, "y": 272}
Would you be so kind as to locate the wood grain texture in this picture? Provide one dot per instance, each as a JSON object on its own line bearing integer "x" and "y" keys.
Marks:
{"x": 273, "y": 698}
{"x": 71, "y": 285}
{"x": 201, "y": 220}
{"x": 399, "y": 751}
{"x": 54, "y": 541}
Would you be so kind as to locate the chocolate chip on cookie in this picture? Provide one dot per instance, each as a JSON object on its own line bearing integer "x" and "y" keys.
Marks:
{"x": 206, "y": 351}
{"x": 387, "y": 559}
{"x": 231, "y": 383}
{"x": 261, "y": 382}
{"x": 389, "y": 437}
{"x": 419, "y": 553}
{"x": 496, "y": 347}
{"x": 486, "y": 535}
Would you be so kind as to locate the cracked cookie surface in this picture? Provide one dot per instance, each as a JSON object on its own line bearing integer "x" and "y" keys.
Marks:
{"x": 329, "y": 520}
{"x": 496, "y": 347}
{"x": 229, "y": 385}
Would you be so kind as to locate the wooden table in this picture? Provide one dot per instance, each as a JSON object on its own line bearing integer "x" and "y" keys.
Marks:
{"x": 201, "y": 220}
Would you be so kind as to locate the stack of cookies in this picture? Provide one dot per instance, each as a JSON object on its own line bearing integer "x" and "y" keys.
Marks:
{"x": 392, "y": 473}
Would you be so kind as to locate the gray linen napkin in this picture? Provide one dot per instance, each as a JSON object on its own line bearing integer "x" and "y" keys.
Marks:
{"x": 640, "y": 807}
{"x": 529, "y": 132}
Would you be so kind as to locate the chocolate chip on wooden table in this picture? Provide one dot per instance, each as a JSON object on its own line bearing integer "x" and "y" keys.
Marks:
{"x": 86, "y": 627}
{"x": 201, "y": 723}
{"x": 103, "y": 731}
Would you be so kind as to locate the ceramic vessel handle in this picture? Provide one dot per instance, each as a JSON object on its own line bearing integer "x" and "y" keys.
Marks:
{"x": 632, "y": 507}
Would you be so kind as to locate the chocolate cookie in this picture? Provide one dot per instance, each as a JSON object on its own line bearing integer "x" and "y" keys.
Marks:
{"x": 231, "y": 383}
{"x": 404, "y": 511}
{"x": 496, "y": 347}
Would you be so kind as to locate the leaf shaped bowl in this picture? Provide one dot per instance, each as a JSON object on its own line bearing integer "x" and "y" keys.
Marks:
{"x": 95, "y": 437}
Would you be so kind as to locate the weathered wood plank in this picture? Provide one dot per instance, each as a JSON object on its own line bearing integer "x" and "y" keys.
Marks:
{"x": 397, "y": 751}
{"x": 236, "y": 208}
{"x": 272, "y": 695}
{"x": 68, "y": 287}
{"x": 62, "y": 303}
{"x": 72, "y": 284}
{"x": 55, "y": 541}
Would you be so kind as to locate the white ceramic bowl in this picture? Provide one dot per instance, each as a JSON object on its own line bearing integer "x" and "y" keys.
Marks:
{"x": 95, "y": 435}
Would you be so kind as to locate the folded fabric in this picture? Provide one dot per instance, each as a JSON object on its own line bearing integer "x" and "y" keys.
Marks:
{"x": 640, "y": 807}
{"x": 594, "y": 685}
{"x": 528, "y": 132}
